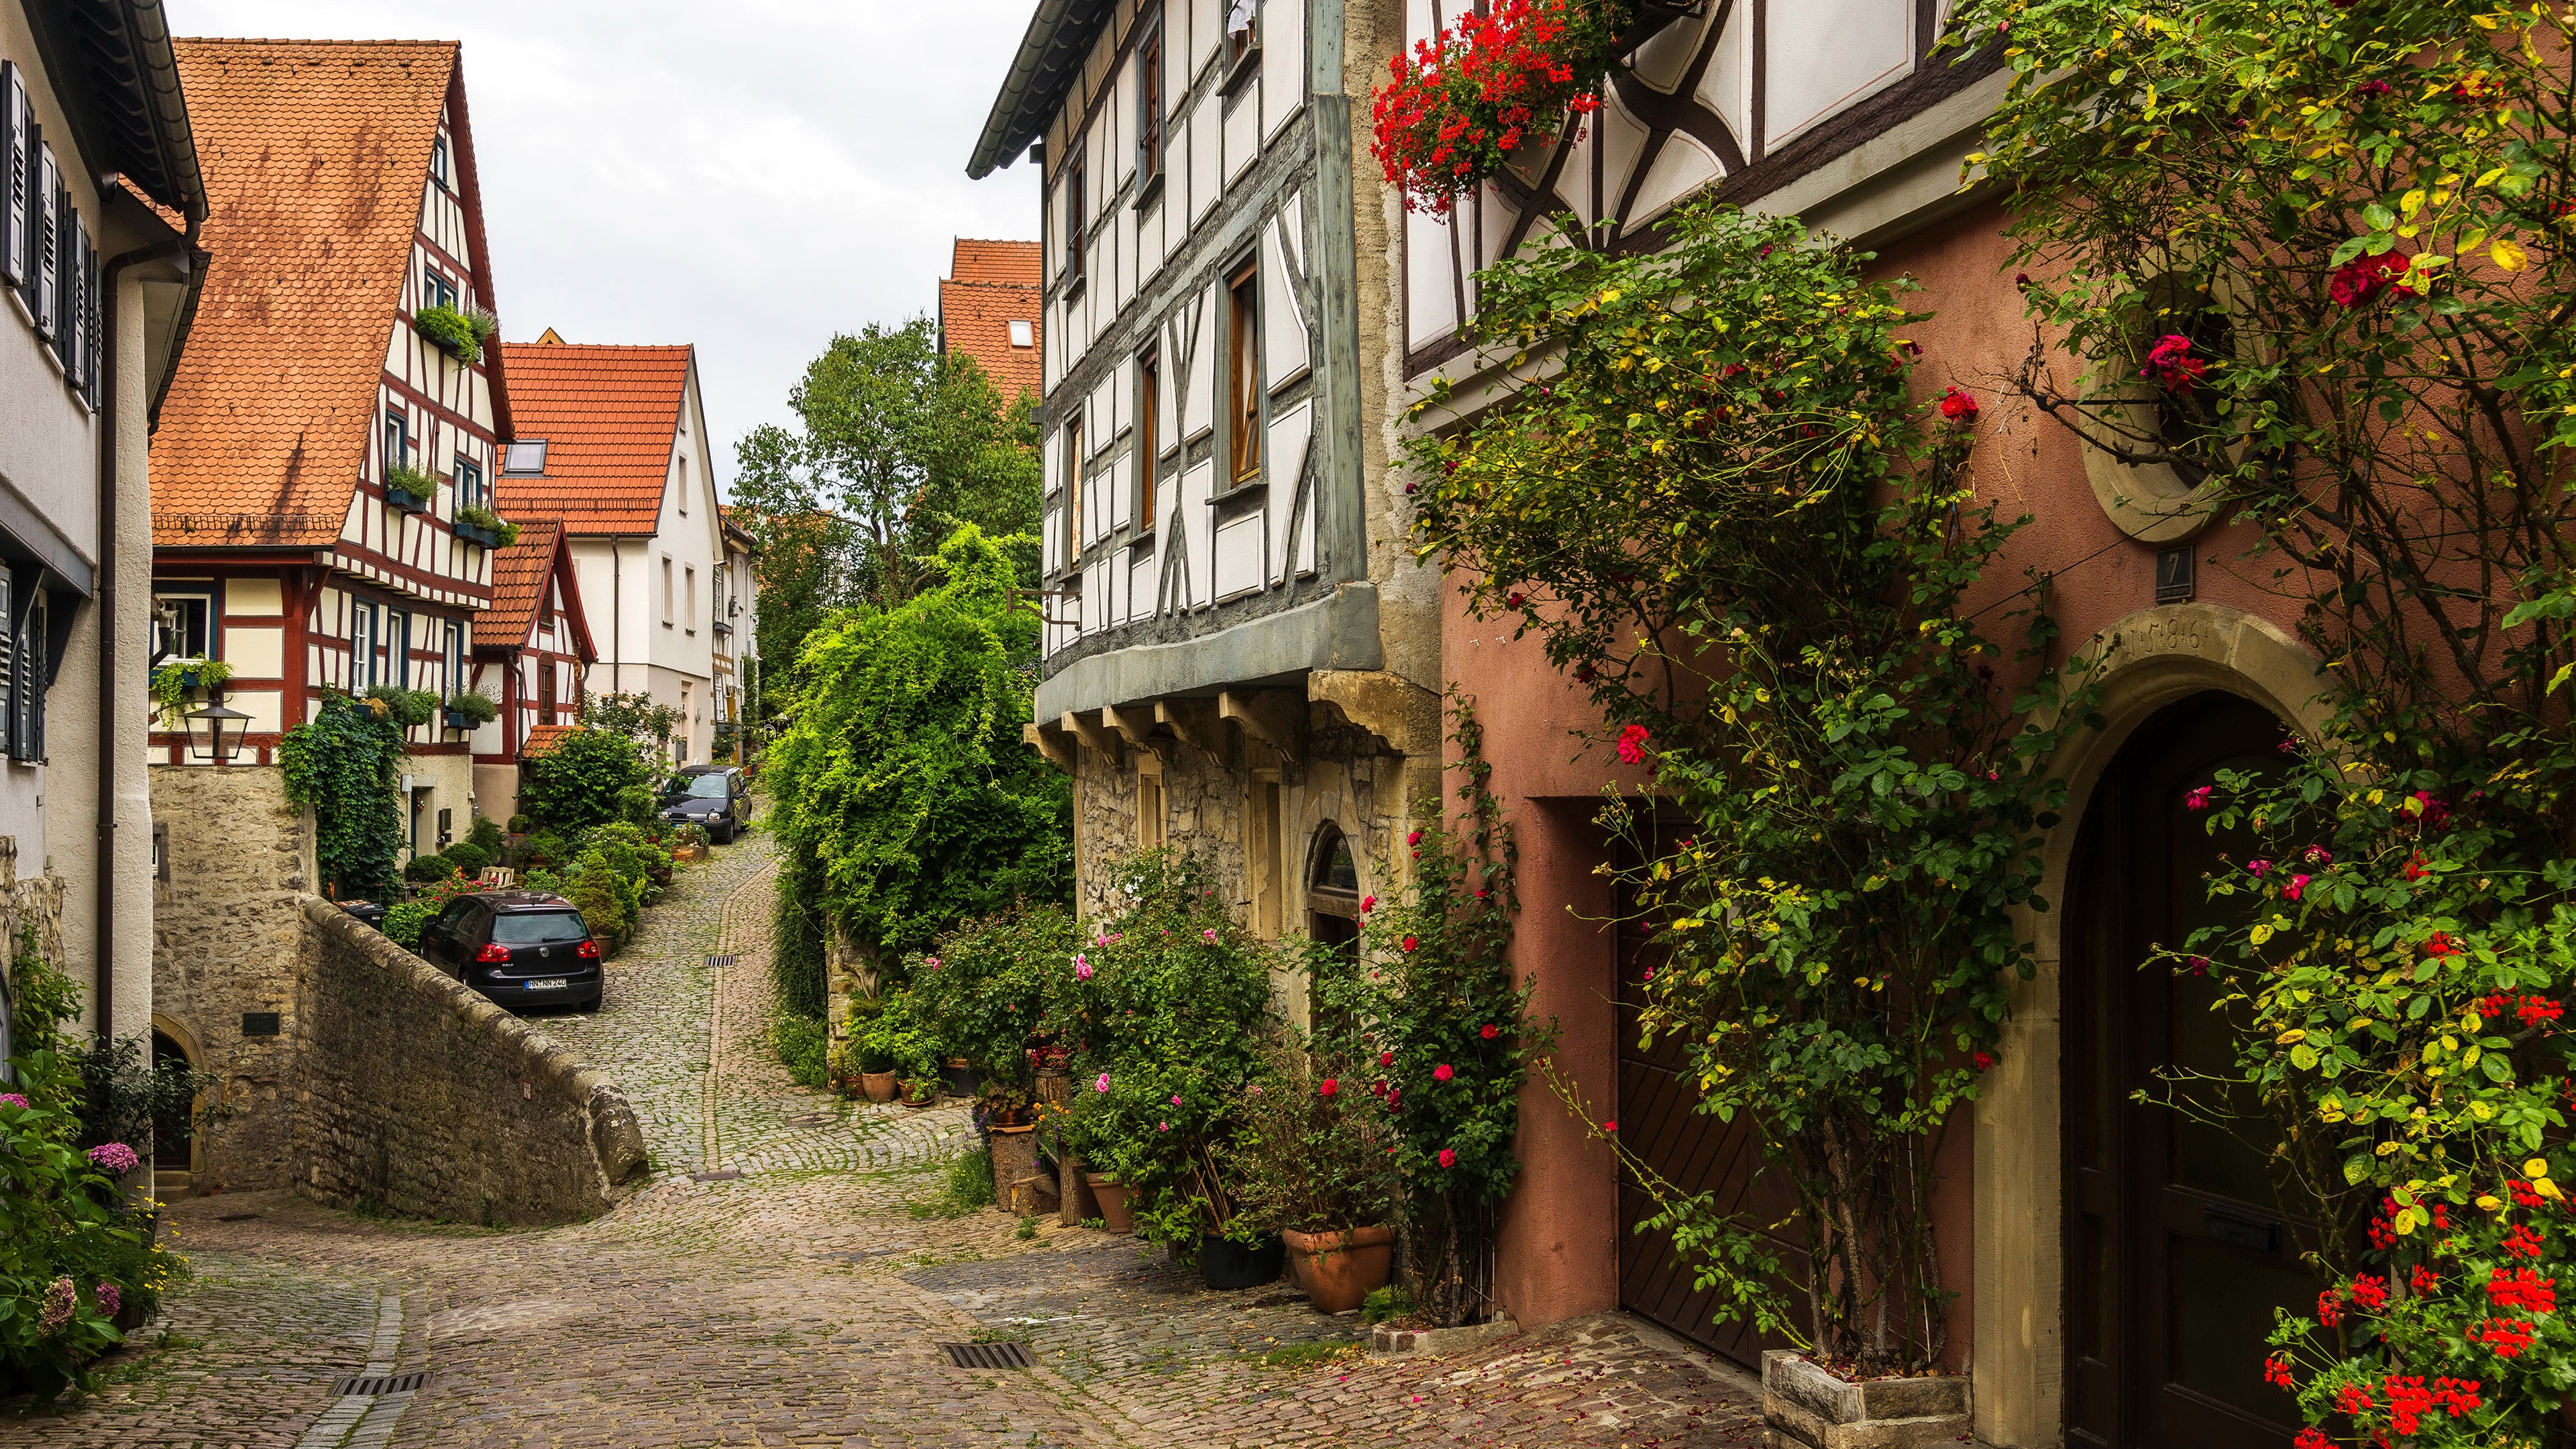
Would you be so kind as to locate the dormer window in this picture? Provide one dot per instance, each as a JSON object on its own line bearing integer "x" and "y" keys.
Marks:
{"x": 524, "y": 459}
{"x": 1024, "y": 333}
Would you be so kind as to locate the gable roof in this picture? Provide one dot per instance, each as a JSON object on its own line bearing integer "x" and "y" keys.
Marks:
{"x": 315, "y": 155}
{"x": 520, "y": 574}
{"x": 610, "y": 417}
{"x": 993, "y": 284}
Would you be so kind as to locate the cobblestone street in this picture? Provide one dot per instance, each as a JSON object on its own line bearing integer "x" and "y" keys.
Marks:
{"x": 803, "y": 1302}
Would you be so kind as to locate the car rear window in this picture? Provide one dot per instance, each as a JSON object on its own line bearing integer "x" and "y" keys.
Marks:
{"x": 538, "y": 928}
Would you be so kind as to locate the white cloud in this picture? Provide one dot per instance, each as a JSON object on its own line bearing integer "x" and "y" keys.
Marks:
{"x": 751, "y": 176}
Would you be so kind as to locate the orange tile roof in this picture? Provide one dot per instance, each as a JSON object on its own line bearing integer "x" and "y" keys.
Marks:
{"x": 315, "y": 155}
{"x": 993, "y": 284}
{"x": 610, "y": 417}
{"x": 542, "y": 740}
{"x": 519, "y": 575}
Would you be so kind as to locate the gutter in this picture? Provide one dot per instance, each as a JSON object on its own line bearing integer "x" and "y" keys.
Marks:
{"x": 1037, "y": 80}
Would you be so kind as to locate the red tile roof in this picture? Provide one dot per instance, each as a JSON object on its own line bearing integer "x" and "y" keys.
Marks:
{"x": 542, "y": 740}
{"x": 993, "y": 284}
{"x": 610, "y": 417}
{"x": 315, "y": 155}
{"x": 519, "y": 576}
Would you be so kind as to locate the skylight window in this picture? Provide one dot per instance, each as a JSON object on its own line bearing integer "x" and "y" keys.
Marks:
{"x": 1023, "y": 333}
{"x": 524, "y": 458}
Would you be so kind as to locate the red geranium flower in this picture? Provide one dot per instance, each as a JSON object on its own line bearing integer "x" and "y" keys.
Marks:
{"x": 2369, "y": 1290}
{"x": 2522, "y": 1288}
{"x": 1632, "y": 744}
{"x": 2276, "y": 1371}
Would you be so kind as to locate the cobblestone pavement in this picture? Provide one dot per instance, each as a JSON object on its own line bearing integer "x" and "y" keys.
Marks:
{"x": 803, "y": 1303}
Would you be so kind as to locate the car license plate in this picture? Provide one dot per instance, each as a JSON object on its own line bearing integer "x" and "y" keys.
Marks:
{"x": 555, "y": 984}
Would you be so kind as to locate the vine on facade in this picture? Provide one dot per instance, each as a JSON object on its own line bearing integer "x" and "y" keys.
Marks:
{"x": 344, "y": 765}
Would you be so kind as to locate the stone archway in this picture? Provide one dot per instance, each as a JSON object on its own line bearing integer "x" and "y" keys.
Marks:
{"x": 176, "y": 1167}
{"x": 2152, "y": 659}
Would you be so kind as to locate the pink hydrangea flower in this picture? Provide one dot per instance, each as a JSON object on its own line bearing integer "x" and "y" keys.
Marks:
{"x": 114, "y": 1158}
{"x": 61, "y": 1301}
{"x": 12, "y": 1099}
{"x": 109, "y": 1300}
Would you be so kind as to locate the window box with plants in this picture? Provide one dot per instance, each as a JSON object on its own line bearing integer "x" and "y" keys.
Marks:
{"x": 460, "y": 332}
{"x": 176, "y": 684}
{"x": 410, "y": 489}
{"x": 481, "y": 525}
{"x": 467, "y": 710}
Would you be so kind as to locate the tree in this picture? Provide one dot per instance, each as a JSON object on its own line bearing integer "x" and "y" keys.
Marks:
{"x": 585, "y": 780}
{"x": 903, "y": 779}
{"x": 896, "y": 445}
{"x": 635, "y": 716}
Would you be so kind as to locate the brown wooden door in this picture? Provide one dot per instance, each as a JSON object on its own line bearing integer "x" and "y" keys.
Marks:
{"x": 1694, "y": 1152}
{"x": 2177, "y": 1247}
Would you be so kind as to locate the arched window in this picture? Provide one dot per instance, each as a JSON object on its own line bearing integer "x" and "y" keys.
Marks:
{"x": 1333, "y": 892}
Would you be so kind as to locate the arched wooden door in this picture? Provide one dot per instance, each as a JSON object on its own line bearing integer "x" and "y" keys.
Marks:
{"x": 2177, "y": 1243}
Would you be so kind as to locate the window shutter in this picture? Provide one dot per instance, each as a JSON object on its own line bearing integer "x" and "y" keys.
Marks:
{"x": 13, "y": 174}
{"x": 27, "y": 687}
{"x": 8, "y": 669}
{"x": 32, "y": 649}
{"x": 91, "y": 340}
{"x": 43, "y": 189}
{"x": 74, "y": 348}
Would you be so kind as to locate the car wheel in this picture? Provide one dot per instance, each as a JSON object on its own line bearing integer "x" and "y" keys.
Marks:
{"x": 592, "y": 1006}
{"x": 730, "y": 829}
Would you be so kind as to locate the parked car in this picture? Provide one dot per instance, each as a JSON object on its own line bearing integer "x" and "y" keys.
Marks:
{"x": 715, "y": 798}
{"x": 520, "y": 948}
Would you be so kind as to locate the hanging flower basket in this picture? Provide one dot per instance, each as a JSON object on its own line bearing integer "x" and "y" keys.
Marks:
{"x": 1461, "y": 104}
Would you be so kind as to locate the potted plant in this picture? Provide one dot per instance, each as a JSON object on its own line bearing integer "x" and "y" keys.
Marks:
{"x": 409, "y": 489}
{"x": 174, "y": 684}
{"x": 467, "y": 710}
{"x": 460, "y": 332}
{"x": 1455, "y": 111}
{"x": 478, "y": 524}
{"x": 1081, "y": 1135}
{"x": 1315, "y": 1155}
{"x": 921, "y": 1092}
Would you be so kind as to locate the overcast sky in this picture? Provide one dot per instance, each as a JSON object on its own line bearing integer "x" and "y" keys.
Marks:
{"x": 750, "y": 175}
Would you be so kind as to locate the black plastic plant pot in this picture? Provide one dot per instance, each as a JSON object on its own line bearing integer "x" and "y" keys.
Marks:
{"x": 1227, "y": 1264}
{"x": 961, "y": 1079}
{"x": 458, "y": 719}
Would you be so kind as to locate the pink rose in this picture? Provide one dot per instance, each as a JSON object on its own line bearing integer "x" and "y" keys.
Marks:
{"x": 1367, "y": 904}
{"x": 2297, "y": 884}
{"x": 2198, "y": 799}
{"x": 1209, "y": 934}
{"x": 1100, "y": 1083}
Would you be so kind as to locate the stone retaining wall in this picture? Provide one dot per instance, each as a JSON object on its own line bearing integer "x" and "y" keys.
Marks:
{"x": 415, "y": 1095}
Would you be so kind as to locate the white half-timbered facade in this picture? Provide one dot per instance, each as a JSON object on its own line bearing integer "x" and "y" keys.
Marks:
{"x": 347, "y": 579}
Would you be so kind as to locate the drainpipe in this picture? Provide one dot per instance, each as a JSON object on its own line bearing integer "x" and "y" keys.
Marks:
{"x": 108, "y": 756}
{"x": 616, "y": 617}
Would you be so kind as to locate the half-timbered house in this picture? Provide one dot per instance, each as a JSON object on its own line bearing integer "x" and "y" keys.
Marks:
{"x": 285, "y": 543}
{"x": 531, "y": 649}
{"x": 1233, "y": 661}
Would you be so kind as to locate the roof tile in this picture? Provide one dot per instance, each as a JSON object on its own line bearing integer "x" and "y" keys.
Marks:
{"x": 610, "y": 417}
{"x": 994, "y": 284}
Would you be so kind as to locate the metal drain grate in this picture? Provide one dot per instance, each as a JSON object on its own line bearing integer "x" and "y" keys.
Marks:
{"x": 379, "y": 1384}
{"x": 719, "y": 963}
{"x": 989, "y": 1355}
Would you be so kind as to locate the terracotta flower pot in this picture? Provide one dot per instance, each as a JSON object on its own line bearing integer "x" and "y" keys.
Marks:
{"x": 1111, "y": 1194}
{"x": 1340, "y": 1270}
{"x": 880, "y": 1086}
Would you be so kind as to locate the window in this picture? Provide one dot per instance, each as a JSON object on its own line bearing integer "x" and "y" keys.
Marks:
{"x": 398, "y": 648}
{"x": 1024, "y": 333}
{"x": 452, "y": 659}
{"x": 397, "y": 435}
{"x": 1333, "y": 895}
{"x": 469, "y": 485}
{"x": 362, "y": 647}
{"x": 527, "y": 457}
{"x": 1243, "y": 372}
{"x": 1149, "y": 108}
{"x": 1149, "y": 802}
{"x": 1075, "y": 214}
{"x": 436, "y": 290}
{"x": 684, "y": 494}
{"x": 182, "y": 627}
{"x": 1149, "y": 384}
{"x": 1072, "y": 491}
{"x": 666, "y": 592}
{"x": 438, "y": 161}
{"x": 546, "y": 692}
{"x": 1241, "y": 22}
{"x": 44, "y": 191}
{"x": 690, "y": 573}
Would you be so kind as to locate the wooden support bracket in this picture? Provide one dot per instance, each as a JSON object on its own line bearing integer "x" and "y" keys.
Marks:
{"x": 1276, "y": 717}
{"x": 1051, "y": 743}
{"x": 1106, "y": 741}
{"x": 1195, "y": 721}
{"x": 1133, "y": 727}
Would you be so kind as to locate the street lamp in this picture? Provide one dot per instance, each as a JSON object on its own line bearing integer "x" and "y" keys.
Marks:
{"x": 214, "y": 733}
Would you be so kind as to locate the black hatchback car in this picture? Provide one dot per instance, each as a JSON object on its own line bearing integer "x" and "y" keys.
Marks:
{"x": 520, "y": 948}
{"x": 715, "y": 798}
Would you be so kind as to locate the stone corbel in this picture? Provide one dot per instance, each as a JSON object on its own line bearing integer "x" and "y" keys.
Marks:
{"x": 1275, "y": 717}
{"x": 1134, "y": 728}
{"x": 1196, "y": 723}
{"x": 1050, "y": 742}
{"x": 1094, "y": 737}
{"x": 1387, "y": 705}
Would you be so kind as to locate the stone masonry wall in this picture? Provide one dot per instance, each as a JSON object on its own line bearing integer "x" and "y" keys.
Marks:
{"x": 228, "y": 939}
{"x": 418, "y": 1096}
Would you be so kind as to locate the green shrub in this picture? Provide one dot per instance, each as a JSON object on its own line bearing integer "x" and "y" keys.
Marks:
{"x": 521, "y": 825}
{"x": 403, "y": 923}
{"x": 468, "y": 857}
{"x": 409, "y": 708}
{"x": 578, "y": 783}
{"x": 800, "y": 1042}
{"x": 343, "y": 763}
{"x": 486, "y": 834}
{"x": 982, "y": 989}
{"x": 426, "y": 868}
{"x": 796, "y": 958}
{"x": 967, "y": 1188}
{"x": 476, "y": 708}
{"x": 594, "y": 889}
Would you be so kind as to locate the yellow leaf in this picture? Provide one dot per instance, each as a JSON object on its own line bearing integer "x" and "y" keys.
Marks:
{"x": 2509, "y": 254}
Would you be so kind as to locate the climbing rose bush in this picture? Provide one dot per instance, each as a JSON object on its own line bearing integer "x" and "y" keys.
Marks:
{"x": 1460, "y": 105}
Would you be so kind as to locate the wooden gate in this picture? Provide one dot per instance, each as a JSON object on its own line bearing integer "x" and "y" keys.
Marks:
{"x": 1695, "y": 1153}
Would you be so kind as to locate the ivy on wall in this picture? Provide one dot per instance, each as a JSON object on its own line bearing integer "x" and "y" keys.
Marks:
{"x": 344, "y": 764}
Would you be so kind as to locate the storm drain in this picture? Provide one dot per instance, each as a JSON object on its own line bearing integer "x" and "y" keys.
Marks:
{"x": 378, "y": 1384}
{"x": 719, "y": 963}
{"x": 989, "y": 1355}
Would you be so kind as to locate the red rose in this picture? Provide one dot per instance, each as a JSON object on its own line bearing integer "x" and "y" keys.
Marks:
{"x": 1330, "y": 1086}
{"x": 1441, "y": 1073}
{"x": 1491, "y": 1031}
{"x": 1410, "y": 943}
{"x": 1958, "y": 406}
{"x": 1448, "y": 1158}
{"x": 1610, "y": 1126}
{"x": 1985, "y": 1060}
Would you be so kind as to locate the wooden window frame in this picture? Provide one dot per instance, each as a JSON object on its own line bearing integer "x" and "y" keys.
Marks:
{"x": 1073, "y": 494}
{"x": 1243, "y": 373}
{"x": 1149, "y": 378}
{"x": 1149, "y": 108}
{"x": 1077, "y": 224}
